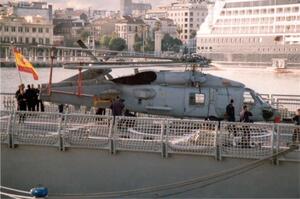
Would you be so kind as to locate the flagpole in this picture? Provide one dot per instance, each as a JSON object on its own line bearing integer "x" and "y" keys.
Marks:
{"x": 12, "y": 48}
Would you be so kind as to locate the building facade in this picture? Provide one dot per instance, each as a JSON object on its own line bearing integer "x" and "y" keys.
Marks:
{"x": 24, "y": 8}
{"x": 104, "y": 26}
{"x": 26, "y": 30}
{"x": 188, "y": 15}
{"x": 125, "y": 7}
{"x": 128, "y": 26}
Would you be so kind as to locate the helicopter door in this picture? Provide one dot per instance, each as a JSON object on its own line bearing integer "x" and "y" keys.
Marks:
{"x": 196, "y": 103}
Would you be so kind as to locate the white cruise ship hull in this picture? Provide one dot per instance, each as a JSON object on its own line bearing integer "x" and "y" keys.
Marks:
{"x": 252, "y": 33}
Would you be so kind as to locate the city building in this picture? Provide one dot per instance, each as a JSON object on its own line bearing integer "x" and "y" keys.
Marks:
{"x": 157, "y": 12}
{"x": 125, "y": 7}
{"x": 188, "y": 15}
{"x": 26, "y": 30}
{"x": 140, "y": 9}
{"x": 129, "y": 25}
{"x": 25, "y": 8}
{"x": 103, "y": 26}
{"x": 164, "y": 25}
{"x": 71, "y": 29}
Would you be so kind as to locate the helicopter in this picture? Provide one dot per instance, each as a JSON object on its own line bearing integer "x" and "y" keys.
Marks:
{"x": 184, "y": 94}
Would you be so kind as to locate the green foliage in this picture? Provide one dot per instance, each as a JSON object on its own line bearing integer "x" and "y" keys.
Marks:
{"x": 84, "y": 35}
{"x": 149, "y": 46}
{"x": 104, "y": 41}
{"x": 171, "y": 44}
{"x": 137, "y": 46}
{"x": 193, "y": 34}
{"x": 117, "y": 44}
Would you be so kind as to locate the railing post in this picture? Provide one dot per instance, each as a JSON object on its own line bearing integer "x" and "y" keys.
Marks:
{"x": 61, "y": 126}
{"x": 218, "y": 141}
{"x": 163, "y": 138}
{"x": 9, "y": 131}
{"x": 165, "y": 134}
{"x": 111, "y": 138}
{"x": 275, "y": 145}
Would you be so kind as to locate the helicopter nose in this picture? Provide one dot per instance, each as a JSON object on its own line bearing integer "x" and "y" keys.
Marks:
{"x": 270, "y": 114}
{"x": 267, "y": 114}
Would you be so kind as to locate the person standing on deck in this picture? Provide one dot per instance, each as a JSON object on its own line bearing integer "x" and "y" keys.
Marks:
{"x": 230, "y": 111}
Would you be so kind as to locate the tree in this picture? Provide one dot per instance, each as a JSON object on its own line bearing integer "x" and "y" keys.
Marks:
{"x": 179, "y": 30}
{"x": 117, "y": 44}
{"x": 193, "y": 34}
{"x": 149, "y": 46}
{"x": 84, "y": 34}
{"x": 171, "y": 44}
{"x": 137, "y": 46}
{"x": 104, "y": 41}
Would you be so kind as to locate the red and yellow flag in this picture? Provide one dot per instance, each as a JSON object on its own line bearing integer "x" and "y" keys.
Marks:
{"x": 24, "y": 65}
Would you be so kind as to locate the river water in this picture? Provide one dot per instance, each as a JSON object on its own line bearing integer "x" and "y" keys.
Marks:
{"x": 259, "y": 79}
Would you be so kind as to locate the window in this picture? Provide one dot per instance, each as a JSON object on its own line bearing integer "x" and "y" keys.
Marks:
{"x": 13, "y": 29}
{"x": 197, "y": 99}
{"x": 33, "y": 29}
{"x": 6, "y": 28}
{"x": 20, "y": 40}
{"x": 33, "y": 41}
{"x": 20, "y": 29}
{"x": 47, "y": 41}
{"x": 40, "y": 30}
{"x": 27, "y": 40}
{"x": 26, "y": 29}
{"x": 41, "y": 41}
{"x": 47, "y": 30}
{"x": 248, "y": 99}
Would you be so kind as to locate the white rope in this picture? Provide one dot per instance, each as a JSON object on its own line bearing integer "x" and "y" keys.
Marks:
{"x": 15, "y": 190}
{"x": 15, "y": 196}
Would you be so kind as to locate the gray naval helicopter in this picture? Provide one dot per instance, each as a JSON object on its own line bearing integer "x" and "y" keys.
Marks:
{"x": 186, "y": 94}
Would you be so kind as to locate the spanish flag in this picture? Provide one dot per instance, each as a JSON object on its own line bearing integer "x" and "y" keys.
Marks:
{"x": 24, "y": 65}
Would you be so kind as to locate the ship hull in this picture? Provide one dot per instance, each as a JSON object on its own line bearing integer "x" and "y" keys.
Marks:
{"x": 252, "y": 59}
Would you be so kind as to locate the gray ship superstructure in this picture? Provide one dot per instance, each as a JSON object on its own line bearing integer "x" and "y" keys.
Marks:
{"x": 256, "y": 32}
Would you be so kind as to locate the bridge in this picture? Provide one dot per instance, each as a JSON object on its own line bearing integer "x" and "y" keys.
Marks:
{"x": 41, "y": 54}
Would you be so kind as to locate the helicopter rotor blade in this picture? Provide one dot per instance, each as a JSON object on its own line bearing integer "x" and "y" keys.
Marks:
{"x": 92, "y": 56}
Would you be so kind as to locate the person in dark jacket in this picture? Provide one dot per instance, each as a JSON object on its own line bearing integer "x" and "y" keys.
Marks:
{"x": 117, "y": 107}
{"x": 245, "y": 115}
{"x": 30, "y": 98}
{"x": 39, "y": 101}
{"x": 22, "y": 104}
{"x": 21, "y": 87}
{"x": 230, "y": 111}
{"x": 296, "y": 134}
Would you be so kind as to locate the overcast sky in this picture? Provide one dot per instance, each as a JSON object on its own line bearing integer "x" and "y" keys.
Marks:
{"x": 95, "y": 4}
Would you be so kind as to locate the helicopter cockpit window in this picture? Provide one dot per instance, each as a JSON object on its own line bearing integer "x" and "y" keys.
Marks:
{"x": 248, "y": 98}
{"x": 197, "y": 99}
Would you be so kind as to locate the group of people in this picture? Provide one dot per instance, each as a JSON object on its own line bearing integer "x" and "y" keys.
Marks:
{"x": 29, "y": 99}
{"x": 245, "y": 114}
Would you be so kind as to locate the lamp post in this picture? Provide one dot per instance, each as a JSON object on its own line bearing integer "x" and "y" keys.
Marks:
{"x": 52, "y": 57}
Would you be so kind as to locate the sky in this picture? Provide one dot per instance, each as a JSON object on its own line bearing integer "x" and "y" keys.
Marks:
{"x": 94, "y": 4}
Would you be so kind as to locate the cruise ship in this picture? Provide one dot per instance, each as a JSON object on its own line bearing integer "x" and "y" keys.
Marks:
{"x": 252, "y": 33}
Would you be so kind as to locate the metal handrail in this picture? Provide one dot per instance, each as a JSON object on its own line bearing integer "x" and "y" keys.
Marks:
{"x": 195, "y": 137}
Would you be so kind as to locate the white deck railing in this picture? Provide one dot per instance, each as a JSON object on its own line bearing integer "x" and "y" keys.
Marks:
{"x": 286, "y": 104}
{"x": 158, "y": 135}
